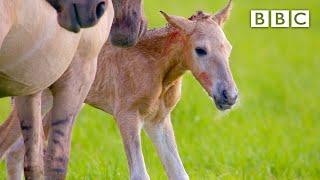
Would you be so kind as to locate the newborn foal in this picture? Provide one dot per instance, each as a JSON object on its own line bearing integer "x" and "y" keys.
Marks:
{"x": 141, "y": 85}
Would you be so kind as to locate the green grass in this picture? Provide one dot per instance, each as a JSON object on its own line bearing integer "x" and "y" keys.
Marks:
{"x": 274, "y": 132}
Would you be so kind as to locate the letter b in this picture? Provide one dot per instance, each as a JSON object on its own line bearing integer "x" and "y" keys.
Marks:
{"x": 280, "y": 18}
{"x": 259, "y": 18}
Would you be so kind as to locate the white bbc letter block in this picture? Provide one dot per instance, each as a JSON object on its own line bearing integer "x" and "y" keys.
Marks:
{"x": 280, "y": 19}
{"x": 300, "y": 18}
{"x": 259, "y": 18}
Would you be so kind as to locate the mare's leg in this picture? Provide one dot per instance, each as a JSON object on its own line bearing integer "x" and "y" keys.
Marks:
{"x": 29, "y": 113}
{"x": 69, "y": 92}
{"x": 16, "y": 151}
{"x": 10, "y": 130}
{"x": 162, "y": 136}
{"x": 130, "y": 127}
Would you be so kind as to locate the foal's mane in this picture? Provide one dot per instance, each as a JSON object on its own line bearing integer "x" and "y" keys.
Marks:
{"x": 200, "y": 15}
{"x": 162, "y": 32}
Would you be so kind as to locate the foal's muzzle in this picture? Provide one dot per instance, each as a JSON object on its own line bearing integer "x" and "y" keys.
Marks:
{"x": 225, "y": 99}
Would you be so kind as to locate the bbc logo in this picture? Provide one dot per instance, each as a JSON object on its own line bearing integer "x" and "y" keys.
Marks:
{"x": 280, "y": 18}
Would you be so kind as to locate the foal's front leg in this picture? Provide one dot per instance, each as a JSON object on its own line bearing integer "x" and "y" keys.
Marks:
{"x": 162, "y": 136}
{"x": 29, "y": 113}
{"x": 130, "y": 128}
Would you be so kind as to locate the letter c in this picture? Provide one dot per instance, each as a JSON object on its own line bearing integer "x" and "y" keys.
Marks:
{"x": 296, "y": 18}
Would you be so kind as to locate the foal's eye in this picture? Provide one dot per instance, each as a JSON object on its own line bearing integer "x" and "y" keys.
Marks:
{"x": 201, "y": 52}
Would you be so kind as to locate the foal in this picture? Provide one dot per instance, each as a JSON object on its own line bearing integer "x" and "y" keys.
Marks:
{"x": 140, "y": 86}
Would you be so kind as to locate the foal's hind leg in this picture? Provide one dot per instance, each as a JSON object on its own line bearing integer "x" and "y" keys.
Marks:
{"x": 29, "y": 113}
{"x": 69, "y": 93}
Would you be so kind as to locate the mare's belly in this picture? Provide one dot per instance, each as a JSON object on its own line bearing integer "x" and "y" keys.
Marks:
{"x": 35, "y": 53}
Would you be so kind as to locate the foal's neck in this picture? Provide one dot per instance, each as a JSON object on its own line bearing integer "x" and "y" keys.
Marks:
{"x": 166, "y": 45}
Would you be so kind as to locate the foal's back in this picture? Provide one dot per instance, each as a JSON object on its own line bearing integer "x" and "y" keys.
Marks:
{"x": 132, "y": 78}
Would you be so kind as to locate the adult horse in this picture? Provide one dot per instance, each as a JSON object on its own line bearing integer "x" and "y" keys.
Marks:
{"x": 34, "y": 52}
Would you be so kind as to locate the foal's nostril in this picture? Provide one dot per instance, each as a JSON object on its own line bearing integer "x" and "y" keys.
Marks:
{"x": 225, "y": 95}
{"x": 101, "y": 7}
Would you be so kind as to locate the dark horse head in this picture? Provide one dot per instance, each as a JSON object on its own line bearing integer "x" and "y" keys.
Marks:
{"x": 129, "y": 22}
{"x": 76, "y": 14}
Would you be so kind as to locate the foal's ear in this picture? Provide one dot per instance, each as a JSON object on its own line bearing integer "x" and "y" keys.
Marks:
{"x": 179, "y": 22}
{"x": 223, "y": 15}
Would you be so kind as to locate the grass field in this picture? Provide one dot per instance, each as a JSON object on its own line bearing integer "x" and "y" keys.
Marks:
{"x": 273, "y": 133}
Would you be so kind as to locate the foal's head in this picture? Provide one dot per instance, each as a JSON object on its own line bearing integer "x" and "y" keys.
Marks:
{"x": 76, "y": 14}
{"x": 129, "y": 22}
{"x": 206, "y": 53}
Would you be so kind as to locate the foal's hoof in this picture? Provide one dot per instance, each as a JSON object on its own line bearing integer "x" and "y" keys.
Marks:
{"x": 140, "y": 177}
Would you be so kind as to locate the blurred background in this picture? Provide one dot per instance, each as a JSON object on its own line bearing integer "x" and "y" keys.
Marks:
{"x": 273, "y": 132}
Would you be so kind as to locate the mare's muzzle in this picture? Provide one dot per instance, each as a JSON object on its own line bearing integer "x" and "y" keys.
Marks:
{"x": 77, "y": 14}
